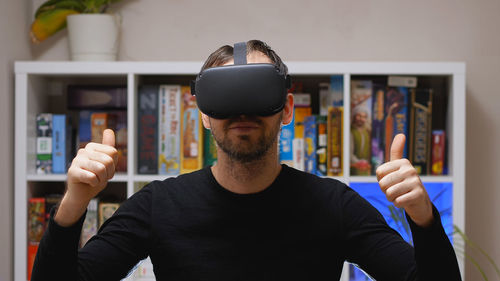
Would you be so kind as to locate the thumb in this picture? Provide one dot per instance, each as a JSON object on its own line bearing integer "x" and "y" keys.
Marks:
{"x": 108, "y": 137}
{"x": 397, "y": 147}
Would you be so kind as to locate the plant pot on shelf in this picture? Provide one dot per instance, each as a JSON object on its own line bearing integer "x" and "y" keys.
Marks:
{"x": 93, "y": 37}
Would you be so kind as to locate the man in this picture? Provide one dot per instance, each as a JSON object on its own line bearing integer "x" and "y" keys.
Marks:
{"x": 247, "y": 217}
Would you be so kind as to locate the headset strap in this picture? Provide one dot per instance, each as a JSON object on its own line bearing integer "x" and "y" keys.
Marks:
{"x": 240, "y": 53}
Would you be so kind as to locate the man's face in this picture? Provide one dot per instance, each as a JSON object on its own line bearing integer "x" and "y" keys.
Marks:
{"x": 246, "y": 138}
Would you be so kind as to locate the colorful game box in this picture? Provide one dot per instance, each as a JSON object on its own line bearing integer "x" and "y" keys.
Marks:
{"x": 169, "y": 130}
{"x": 44, "y": 143}
{"x": 334, "y": 141}
{"x": 397, "y": 121}
{"x": 361, "y": 116}
{"x": 147, "y": 138}
{"x": 421, "y": 130}
{"x": 310, "y": 142}
{"x": 191, "y": 133}
{"x": 438, "y": 151}
{"x": 378, "y": 127}
{"x": 321, "y": 146}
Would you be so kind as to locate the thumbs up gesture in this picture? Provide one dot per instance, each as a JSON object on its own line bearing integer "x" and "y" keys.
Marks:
{"x": 402, "y": 186}
{"x": 88, "y": 174}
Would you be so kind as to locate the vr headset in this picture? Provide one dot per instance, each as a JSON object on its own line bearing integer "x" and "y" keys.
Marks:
{"x": 241, "y": 89}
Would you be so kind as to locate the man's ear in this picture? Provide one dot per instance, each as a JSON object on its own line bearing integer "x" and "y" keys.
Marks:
{"x": 204, "y": 119}
{"x": 288, "y": 110}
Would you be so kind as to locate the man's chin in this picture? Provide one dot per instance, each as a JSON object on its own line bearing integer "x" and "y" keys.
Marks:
{"x": 245, "y": 158}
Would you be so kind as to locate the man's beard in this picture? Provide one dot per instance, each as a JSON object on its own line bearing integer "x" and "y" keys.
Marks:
{"x": 247, "y": 152}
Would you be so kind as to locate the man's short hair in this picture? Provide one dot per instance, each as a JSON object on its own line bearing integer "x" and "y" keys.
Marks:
{"x": 225, "y": 54}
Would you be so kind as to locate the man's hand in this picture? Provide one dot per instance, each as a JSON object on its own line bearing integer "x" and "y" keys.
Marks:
{"x": 402, "y": 186}
{"x": 88, "y": 174}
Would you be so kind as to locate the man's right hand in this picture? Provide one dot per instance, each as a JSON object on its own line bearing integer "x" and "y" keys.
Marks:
{"x": 88, "y": 174}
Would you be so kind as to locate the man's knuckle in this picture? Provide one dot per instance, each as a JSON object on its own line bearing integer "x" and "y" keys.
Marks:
{"x": 100, "y": 167}
{"x": 414, "y": 181}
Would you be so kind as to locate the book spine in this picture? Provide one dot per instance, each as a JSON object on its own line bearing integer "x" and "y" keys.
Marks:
{"x": 420, "y": 123}
{"x": 32, "y": 249}
{"x": 298, "y": 154}
{"x": 59, "y": 145}
{"x": 121, "y": 139}
{"x": 36, "y": 218}
{"x": 321, "y": 147}
{"x": 378, "y": 129}
{"x": 36, "y": 227}
{"x": 337, "y": 90}
{"x": 361, "y": 117}
{"x": 44, "y": 143}
{"x": 169, "y": 128}
{"x": 300, "y": 114}
{"x": 84, "y": 128}
{"x": 397, "y": 120}
{"x": 401, "y": 122}
{"x": 51, "y": 201}
{"x": 310, "y": 131}
{"x": 324, "y": 98}
{"x": 209, "y": 149}
{"x": 438, "y": 149}
{"x": 334, "y": 141}
{"x": 286, "y": 143}
{"x": 148, "y": 130}
{"x": 99, "y": 122}
{"x": 90, "y": 224}
{"x": 191, "y": 133}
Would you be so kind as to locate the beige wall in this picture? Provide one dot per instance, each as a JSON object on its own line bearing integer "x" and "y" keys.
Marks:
{"x": 342, "y": 30}
{"x": 13, "y": 46}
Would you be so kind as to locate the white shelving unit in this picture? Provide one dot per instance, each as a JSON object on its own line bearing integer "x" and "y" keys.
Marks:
{"x": 38, "y": 84}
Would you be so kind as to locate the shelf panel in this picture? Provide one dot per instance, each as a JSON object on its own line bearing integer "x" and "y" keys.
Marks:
{"x": 423, "y": 178}
{"x": 149, "y": 178}
{"x": 119, "y": 177}
{"x": 193, "y": 67}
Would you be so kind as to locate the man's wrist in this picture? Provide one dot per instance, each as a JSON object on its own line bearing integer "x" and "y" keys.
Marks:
{"x": 70, "y": 210}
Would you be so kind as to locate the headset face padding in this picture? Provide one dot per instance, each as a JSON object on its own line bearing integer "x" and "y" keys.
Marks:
{"x": 242, "y": 89}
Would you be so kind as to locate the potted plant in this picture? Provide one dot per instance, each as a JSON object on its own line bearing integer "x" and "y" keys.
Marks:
{"x": 93, "y": 34}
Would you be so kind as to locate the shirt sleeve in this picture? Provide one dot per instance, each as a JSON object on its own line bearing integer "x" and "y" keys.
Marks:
{"x": 433, "y": 251}
{"x": 122, "y": 241}
{"x": 381, "y": 252}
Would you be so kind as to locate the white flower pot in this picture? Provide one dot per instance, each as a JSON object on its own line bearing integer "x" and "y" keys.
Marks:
{"x": 93, "y": 37}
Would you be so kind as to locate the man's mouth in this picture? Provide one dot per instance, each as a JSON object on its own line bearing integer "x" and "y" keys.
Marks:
{"x": 244, "y": 125}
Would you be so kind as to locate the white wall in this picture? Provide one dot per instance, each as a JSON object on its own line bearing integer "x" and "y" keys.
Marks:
{"x": 382, "y": 30}
{"x": 13, "y": 46}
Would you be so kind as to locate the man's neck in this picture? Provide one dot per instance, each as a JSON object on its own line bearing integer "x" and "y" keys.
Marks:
{"x": 248, "y": 177}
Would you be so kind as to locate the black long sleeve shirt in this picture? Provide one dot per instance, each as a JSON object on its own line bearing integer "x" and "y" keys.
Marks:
{"x": 302, "y": 227}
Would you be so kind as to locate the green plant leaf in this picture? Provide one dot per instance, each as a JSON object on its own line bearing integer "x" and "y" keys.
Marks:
{"x": 474, "y": 262}
{"x": 75, "y": 5}
{"x": 48, "y": 23}
{"x": 474, "y": 246}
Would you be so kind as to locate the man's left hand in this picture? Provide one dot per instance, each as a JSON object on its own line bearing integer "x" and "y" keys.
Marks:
{"x": 402, "y": 186}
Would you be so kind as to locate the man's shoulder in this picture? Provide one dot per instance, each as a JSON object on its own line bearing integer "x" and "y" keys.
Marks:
{"x": 295, "y": 176}
{"x": 176, "y": 182}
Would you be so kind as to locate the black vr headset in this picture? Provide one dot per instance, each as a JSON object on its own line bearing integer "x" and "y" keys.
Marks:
{"x": 241, "y": 89}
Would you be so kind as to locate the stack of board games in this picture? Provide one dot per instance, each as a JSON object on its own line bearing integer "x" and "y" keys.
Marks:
{"x": 170, "y": 132}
